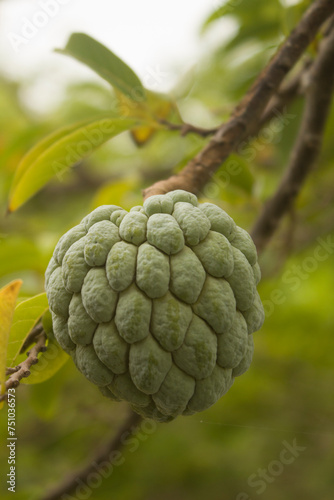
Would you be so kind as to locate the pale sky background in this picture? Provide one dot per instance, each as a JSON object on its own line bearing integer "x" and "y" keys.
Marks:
{"x": 154, "y": 37}
{"x": 159, "y": 38}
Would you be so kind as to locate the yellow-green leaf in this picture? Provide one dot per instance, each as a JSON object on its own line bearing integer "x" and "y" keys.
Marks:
{"x": 124, "y": 193}
{"x": 19, "y": 253}
{"x": 26, "y": 315}
{"x": 61, "y": 153}
{"x": 39, "y": 149}
{"x": 217, "y": 14}
{"x": 8, "y": 298}
{"x": 45, "y": 398}
{"x": 106, "y": 64}
{"x": 234, "y": 172}
{"x": 49, "y": 362}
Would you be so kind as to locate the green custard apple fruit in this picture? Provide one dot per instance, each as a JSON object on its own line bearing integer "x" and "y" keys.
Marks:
{"x": 157, "y": 306}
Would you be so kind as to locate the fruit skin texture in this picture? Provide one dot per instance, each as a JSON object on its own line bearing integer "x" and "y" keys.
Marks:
{"x": 157, "y": 306}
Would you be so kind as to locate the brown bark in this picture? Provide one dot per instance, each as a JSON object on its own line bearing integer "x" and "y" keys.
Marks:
{"x": 248, "y": 113}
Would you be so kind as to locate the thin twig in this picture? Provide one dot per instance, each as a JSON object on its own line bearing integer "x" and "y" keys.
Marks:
{"x": 10, "y": 371}
{"x": 104, "y": 455}
{"x": 23, "y": 369}
{"x": 248, "y": 113}
{"x": 187, "y": 128}
{"x": 37, "y": 330}
{"x": 307, "y": 146}
{"x": 286, "y": 93}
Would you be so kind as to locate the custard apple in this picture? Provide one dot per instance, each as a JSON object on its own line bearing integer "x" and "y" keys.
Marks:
{"x": 157, "y": 305}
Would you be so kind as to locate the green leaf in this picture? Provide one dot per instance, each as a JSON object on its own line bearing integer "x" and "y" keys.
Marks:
{"x": 26, "y": 315}
{"x": 39, "y": 149}
{"x": 243, "y": 12}
{"x": 234, "y": 172}
{"x": 124, "y": 193}
{"x": 58, "y": 152}
{"x": 217, "y": 14}
{"x": 8, "y": 297}
{"x": 106, "y": 64}
{"x": 45, "y": 397}
{"x": 49, "y": 363}
{"x": 20, "y": 142}
{"x": 265, "y": 31}
{"x": 21, "y": 254}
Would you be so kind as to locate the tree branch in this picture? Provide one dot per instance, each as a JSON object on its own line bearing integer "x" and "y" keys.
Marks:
{"x": 307, "y": 146}
{"x": 247, "y": 114}
{"x": 285, "y": 94}
{"x": 23, "y": 369}
{"x": 104, "y": 455}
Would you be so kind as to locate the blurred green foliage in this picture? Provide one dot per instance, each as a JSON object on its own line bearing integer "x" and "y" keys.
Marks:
{"x": 287, "y": 394}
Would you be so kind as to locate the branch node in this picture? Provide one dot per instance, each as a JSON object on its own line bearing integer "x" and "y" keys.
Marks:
{"x": 23, "y": 369}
